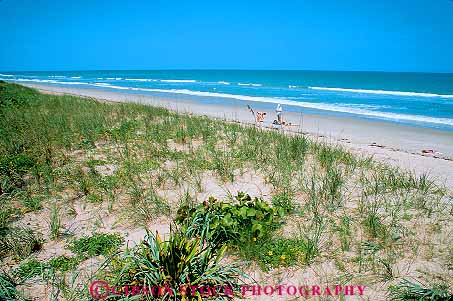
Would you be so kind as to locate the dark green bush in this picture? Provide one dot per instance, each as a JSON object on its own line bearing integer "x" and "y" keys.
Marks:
{"x": 15, "y": 95}
{"x": 285, "y": 201}
{"x": 225, "y": 222}
{"x": 12, "y": 169}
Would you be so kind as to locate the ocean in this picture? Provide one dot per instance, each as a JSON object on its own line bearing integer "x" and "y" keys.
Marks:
{"x": 417, "y": 99}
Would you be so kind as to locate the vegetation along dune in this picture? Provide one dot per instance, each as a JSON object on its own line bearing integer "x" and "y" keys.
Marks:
{"x": 140, "y": 195}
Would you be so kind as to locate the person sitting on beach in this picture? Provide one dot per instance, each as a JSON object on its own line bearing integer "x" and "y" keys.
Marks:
{"x": 276, "y": 124}
{"x": 260, "y": 117}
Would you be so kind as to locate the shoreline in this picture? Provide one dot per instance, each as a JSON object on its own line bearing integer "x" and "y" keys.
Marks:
{"x": 397, "y": 145}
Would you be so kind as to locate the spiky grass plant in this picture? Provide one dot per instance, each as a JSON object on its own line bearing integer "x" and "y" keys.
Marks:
{"x": 55, "y": 223}
{"x": 177, "y": 264}
{"x": 313, "y": 239}
{"x": 147, "y": 206}
{"x": 8, "y": 291}
{"x": 408, "y": 290}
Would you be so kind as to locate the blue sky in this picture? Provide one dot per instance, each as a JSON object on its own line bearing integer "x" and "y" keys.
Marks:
{"x": 387, "y": 35}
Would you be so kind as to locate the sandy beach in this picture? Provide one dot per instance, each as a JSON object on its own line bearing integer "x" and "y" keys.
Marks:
{"x": 398, "y": 145}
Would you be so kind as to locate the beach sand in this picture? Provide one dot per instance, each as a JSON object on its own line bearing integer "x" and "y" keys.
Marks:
{"x": 395, "y": 144}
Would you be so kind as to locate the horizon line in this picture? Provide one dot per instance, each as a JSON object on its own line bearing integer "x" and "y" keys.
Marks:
{"x": 227, "y": 69}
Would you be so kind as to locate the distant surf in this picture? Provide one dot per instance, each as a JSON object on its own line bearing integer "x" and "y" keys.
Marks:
{"x": 383, "y": 92}
{"x": 318, "y": 106}
{"x": 419, "y": 99}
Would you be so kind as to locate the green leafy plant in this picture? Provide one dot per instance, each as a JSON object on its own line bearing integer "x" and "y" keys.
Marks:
{"x": 32, "y": 203}
{"x": 276, "y": 253}
{"x": 225, "y": 222}
{"x": 284, "y": 200}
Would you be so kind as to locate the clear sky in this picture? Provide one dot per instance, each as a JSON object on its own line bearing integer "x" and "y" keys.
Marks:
{"x": 388, "y": 35}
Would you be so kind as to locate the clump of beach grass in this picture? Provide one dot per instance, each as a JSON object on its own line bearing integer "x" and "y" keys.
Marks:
{"x": 55, "y": 223}
{"x": 97, "y": 244}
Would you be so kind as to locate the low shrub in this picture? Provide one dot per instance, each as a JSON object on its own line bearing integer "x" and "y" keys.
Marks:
{"x": 12, "y": 169}
{"x": 285, "y": 201}
{"x": 225, "y": 222}
{"x": 7, "y": 213}
{"x": 275, "y": 253}
{"x": 14, "y": 95}
{"x": 18, "y": 242}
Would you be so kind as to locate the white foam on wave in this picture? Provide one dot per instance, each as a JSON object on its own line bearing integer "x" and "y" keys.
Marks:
{"x": 251, "y": 84}
{"x": 75, "y": 77}
{"x": 141, "y": 79}
{"x": 223, "y": 83}
{"x": 36, "y": 80}
{"x": 8, "y": 75}
{"x": 51, "y": 81}
{"x": 318, "y": 106}
{"x": 178, "y": 80}
{"x": 291, "y": 86}
{"x": 383, "y": 92}
{"x": 110, "y": 86}
{"x": 72, "y": 83}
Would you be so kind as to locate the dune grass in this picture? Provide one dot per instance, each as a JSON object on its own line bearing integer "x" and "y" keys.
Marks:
{"x": 366, "y": 217}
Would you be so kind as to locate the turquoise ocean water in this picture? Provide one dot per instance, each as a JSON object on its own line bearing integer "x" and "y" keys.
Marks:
{"x": 418, "y": 99}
